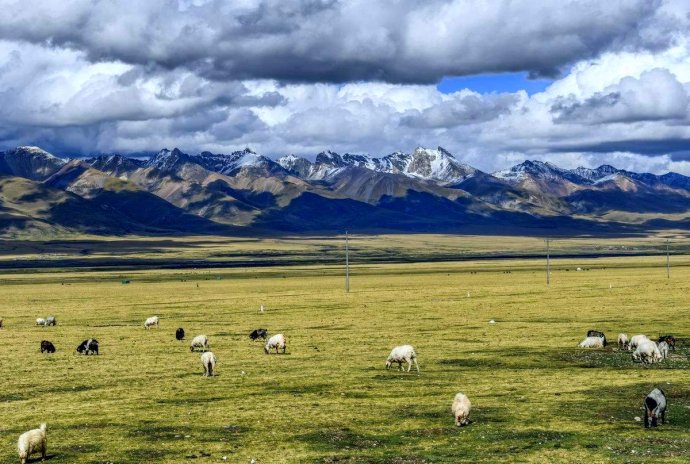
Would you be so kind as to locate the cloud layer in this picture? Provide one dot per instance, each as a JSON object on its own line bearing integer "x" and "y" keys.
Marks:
{"x": 81, "y": 76}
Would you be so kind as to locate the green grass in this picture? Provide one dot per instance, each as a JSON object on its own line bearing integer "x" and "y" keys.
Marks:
{"x": 536, "y": 396}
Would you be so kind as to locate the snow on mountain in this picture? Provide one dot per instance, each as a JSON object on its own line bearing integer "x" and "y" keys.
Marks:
{"x": 227, "y": 164}
{"x": 37, "y": 152}
{"x": 166, "y": 160}
{"x": 531, "y": 171}
{"x": 519, "y": 172}
{"x": 29, "y": 162}
{"x": 436, "y": 165}
{"x": 593, "y": 175}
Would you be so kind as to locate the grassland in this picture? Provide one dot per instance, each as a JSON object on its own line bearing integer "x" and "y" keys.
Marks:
{"x": 537, "y": 398}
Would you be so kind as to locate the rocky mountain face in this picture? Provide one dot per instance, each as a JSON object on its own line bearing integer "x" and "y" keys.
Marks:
{"x": 427, "y": 190}
{"x": 424, "y": 164}
{"x": 29, "y": 162}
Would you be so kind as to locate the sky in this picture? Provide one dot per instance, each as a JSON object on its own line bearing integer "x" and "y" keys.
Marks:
{"x": 574, "y": 82}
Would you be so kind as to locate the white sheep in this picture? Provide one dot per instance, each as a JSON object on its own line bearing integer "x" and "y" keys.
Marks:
{"x": 636, "y": 340}
{"x": 32, "y": 442}
{"x": 200, "y": 341}
{"x": 647, "y": 352}
{"x": 41, "y": 321}
{"x": 592, "y": 342}
{"x": 151, "y": 321}
{"x": 278, "y": 341}
{"x": 400, "y": 354}
{"x": 663, "y": 349}
{"x": 623, "y": 341}
{"x": 208, "y": 360}
{"x": 461, "y": 410}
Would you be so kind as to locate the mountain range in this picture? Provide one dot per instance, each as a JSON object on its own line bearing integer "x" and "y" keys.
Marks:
{"x": 427, "y": 190}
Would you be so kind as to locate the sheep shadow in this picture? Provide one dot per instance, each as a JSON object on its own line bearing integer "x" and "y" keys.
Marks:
{"x": 397, "y": 376}
{"x": 625, "y": 402}
{"x": 37, "y": 459}
{"x": 190, "y": 400}
{"x": 607, "y": 358}
{"x": 6, "y": 398}
{"x": 313, "y": 389}
{"x": 343, "y": 438}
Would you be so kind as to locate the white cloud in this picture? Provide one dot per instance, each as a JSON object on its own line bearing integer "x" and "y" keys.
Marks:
{"x": 209, "y": 75}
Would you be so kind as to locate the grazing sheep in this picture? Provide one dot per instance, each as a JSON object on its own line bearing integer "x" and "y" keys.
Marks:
{"x": 592, "y": 342}
{"x": 40, "y": 321}
{"x": 179, "y": 334}
{"x": 32, "y": 442}
{"x": 151, "y": 321}
{"x": 88, "y": 346}
{"x": 277, "y": 341}
{"x": 647, "y": 352}
{"x": 636, "y": 340}
{"x": 663, "y": 349}
{"x": 654, "y": 407}
{"x": 461, "y": 410}
{"x": 623, "y": 341}
{"x": 596, "y": 333}
{"x": 47, "y": 346}
{"x": 670, "y": 340}
{"x": 400, "y": 354}
{"x": 200, "y": 341}
{"x": 208, "y": 360}
{"x": 50, "y": 320}
{"x": 258, "y": 333}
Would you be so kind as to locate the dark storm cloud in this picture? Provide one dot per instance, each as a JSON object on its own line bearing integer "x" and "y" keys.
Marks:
{"x": 677, "y": 148}
{"x": 337, "y": 41}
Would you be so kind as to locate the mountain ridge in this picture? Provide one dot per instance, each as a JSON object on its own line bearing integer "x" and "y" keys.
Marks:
{"x": 425, "y": 190}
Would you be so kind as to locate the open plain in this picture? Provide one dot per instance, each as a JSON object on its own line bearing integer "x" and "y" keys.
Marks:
{"x": 536, "y": 396}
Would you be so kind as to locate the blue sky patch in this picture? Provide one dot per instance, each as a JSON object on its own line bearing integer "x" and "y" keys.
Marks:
{"x": 499, "y": 83}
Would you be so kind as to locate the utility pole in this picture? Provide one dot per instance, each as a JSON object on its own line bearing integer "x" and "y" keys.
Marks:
{"x": 668, "y": 261}
{"x": 548, "y": 263}
{"x": 347, "y": 262}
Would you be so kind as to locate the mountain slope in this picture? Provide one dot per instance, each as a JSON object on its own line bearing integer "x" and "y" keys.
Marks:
{"x": 426, "y": 190}
{"x": 29, "y": 162}
{"x": 30, "y": 207}
{"x": 250, "y": 183}
{"x": 137, "y": 209}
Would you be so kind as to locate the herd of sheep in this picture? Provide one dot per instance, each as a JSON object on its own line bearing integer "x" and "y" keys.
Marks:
{"x": 34, "y": 441}
{"x": 646, "y": 351}
{"x": 643, "y": 350}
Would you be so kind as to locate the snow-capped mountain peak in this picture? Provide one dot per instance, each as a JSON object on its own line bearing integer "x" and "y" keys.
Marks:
{"x": 30, "y": 162}
{"x": 428, "y": 164}
{"x": 439, "y": 165}
{"x": 295, "y": 165}
{"x": 594, "y": 175}
{"x": 37, "y": 152}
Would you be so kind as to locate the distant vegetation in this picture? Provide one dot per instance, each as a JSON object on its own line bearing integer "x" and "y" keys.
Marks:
{"x": 214, "y": 251}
